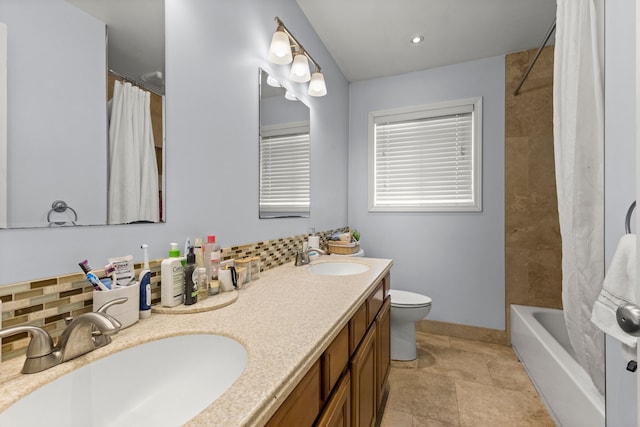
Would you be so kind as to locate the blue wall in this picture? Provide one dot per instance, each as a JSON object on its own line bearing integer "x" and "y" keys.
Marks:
{"x": 457, "y": 259}
{"x": 213, "y": 51}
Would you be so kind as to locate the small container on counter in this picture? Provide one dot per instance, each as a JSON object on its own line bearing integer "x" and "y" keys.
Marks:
{"x": 256, "y": 266}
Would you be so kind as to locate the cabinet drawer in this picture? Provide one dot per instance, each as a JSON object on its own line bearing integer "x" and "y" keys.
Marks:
{"x": 374, "y": 302}
{"x": 303, "y": 404}
{"x": 334, "y": 361}
{"x": 357, "y": 327}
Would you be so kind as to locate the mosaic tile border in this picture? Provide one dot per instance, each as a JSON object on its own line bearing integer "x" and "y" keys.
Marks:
{"x": 47, "y": 302}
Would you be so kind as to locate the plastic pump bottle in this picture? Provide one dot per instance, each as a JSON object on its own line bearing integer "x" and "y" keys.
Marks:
{"x": 172, "y": 278}
{"x": 190, "y": 288}
{"x": 145, "y": 285}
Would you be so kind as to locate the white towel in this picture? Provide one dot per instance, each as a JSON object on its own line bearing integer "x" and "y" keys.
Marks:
{"x": 619, "y": 286}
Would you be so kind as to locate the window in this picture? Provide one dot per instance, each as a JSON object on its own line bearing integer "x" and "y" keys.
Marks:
{"x": 426, "y": 158}
{"x": 285, "y": 188}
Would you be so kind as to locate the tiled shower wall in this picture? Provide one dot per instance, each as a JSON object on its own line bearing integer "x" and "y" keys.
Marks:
{"x": 47, "y": 302}
{"x": 532, "y": 234}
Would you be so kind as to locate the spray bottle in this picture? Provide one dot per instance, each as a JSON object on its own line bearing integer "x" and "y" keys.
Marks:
{"x": 145, "y": 285}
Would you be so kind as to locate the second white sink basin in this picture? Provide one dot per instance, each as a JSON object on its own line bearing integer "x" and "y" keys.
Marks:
{"x": 160, "y": 383}
{"x": 338, "y": 268}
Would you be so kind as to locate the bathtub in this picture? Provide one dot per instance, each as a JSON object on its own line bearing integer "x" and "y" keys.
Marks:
{"x": 540, "y": 339}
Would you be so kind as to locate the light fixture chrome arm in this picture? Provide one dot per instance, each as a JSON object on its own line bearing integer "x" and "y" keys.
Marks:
{"x": 299, "y": 48}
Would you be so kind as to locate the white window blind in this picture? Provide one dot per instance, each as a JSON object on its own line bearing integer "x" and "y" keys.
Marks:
{"x": 285, "y": 183}
{"x": 426, "y": 158}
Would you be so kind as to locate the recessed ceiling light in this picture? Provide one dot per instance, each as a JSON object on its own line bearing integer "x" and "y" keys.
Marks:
{"x": 417, "y": 39}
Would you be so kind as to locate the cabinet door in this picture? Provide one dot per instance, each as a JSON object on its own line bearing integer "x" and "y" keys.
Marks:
{"x": 338, "y": 411}
{"x": 303, "y": 404}
{"x": 363, "y": 382}
{"x": 334, "y": 361}
{"x": 383, "y": 348}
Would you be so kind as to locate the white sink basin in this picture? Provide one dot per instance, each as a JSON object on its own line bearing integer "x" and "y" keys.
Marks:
{"x": 338, "y": 268}
{"x": 161, "y": 383}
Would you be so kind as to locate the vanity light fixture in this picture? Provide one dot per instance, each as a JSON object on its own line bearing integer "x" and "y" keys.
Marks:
{"x": 285, "y": 48}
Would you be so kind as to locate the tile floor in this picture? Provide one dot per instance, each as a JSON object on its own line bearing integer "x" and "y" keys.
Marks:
{"x": 458, "y": 382}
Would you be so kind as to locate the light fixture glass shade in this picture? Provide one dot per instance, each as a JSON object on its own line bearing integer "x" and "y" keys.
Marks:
{"x": 317, "y": 87}
{"x": 273, "y": 82}
{"x": 290, "y": 96}
{"x": 280, "y": 49}
{"x": 300, "y": 69}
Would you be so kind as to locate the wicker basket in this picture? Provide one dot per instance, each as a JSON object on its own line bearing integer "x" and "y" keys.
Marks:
{"x": 343, "y": 248}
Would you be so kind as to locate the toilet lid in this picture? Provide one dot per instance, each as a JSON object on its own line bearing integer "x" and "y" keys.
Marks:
{"x": 408, "y": 299}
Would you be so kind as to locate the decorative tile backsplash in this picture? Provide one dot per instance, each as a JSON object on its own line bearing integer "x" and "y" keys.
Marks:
{"x": 47, "y": 302}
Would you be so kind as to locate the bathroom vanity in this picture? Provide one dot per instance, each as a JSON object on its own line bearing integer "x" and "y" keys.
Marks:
{"x": 317, "y": 345}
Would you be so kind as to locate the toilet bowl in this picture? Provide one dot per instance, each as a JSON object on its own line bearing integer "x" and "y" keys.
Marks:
{"x": 406, "y": 309}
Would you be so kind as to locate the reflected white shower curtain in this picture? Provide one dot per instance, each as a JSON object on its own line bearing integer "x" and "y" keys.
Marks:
{"x": 578, "y": 103}
{"x": 133, "y": 171}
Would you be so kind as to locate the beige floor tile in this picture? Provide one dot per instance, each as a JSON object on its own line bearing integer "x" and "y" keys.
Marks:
{"x": 482, "y": 405}
{"x": 392, "y": 418}
{"x": 400, "y": 364}
{"x": 423, "y": 394}
{"x": 510, "y": 374}
{"x": 428, "y": 422}
{"x": 489, "y": 349}
{"x": 453, "y": 362}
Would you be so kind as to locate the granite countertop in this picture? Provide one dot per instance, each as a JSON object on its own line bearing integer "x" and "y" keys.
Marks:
{"x": 285, "y": 320}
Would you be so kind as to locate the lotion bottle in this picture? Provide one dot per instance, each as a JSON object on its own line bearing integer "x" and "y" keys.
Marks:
{"x": 172, "y": 278}
{"x": 145, "y": 285}
{"x": 190, "y": 288}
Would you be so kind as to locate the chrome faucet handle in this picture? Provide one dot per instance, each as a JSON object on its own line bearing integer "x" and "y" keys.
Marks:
{"x": 41, "y": 343}
{"x": 41, "y": 353}
{"x": 104, "y": 307}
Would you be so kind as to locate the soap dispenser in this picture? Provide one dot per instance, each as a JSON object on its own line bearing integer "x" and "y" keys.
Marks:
{"x": 172, "y": 278}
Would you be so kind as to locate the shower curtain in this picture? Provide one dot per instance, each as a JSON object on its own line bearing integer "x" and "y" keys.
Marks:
{"x": 133, "y": 171}
{"x": 578, "y": 104}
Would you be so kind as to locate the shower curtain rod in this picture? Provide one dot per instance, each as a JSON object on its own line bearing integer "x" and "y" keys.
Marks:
{"x": 535, "y": 58}
{"x": 130, "y": 80}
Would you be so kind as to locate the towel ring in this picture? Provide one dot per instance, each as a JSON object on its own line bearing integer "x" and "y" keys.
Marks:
{"x": 60, "y": 206}
{"x": 627, "y": 220}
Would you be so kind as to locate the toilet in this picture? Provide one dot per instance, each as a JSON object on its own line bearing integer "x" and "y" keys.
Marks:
{"x": 406, "y": 309}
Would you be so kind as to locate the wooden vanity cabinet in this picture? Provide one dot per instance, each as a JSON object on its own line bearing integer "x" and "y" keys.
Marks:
{"x": 346, "y": 385}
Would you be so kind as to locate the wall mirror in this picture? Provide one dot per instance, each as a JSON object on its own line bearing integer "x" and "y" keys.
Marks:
{"x": 59, "y": 54}
{"x": 285, "y": 146}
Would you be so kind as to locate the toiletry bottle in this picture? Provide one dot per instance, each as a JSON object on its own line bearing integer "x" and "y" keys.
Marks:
{"x": 172, "y": 278}
{"x": 145, "y": 285}
{"x": 202, "y": 283}
{"x": 198, "y": 249}
{"x": 214, "y": 264}
{"x": 190, "y": 288}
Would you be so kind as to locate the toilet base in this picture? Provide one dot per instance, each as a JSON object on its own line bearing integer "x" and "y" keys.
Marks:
{"x": 403, "y": 341}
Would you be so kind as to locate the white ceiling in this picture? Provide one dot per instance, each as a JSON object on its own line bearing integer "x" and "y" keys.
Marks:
{"x": 371, "y": 38}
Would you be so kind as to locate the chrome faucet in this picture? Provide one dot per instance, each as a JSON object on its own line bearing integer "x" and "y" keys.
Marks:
{"x": 83, "y": 334}
{"x": 302, "y": 257}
